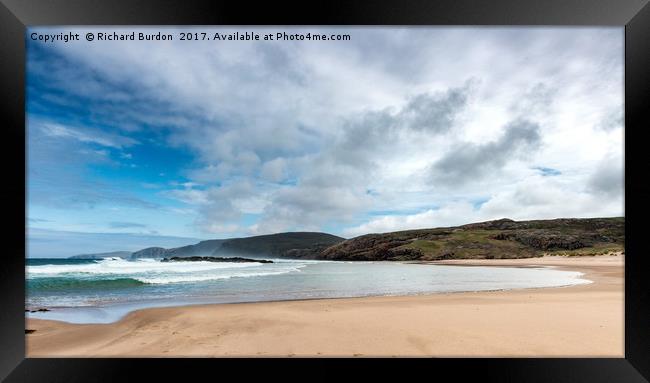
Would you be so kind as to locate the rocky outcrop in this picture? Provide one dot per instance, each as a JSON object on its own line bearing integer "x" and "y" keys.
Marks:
{"x": 312, "y": 252}
{"x": 545, "y": 240}
{"x": 372, "y": 247}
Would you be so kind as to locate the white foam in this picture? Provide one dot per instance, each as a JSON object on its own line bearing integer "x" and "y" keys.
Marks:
{"x": 153, "y": 271}
{"x": 124, "y": 267}
{"x": 203, "y": 278}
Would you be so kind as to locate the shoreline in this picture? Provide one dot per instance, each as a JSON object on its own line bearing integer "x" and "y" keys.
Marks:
{"x": 461, "y": 262}
{"x": 439, "y": 324}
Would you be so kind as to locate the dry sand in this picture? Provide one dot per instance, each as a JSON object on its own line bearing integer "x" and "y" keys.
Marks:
{"x": 576, "y": 321}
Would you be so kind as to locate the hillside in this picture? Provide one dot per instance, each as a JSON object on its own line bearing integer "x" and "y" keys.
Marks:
{"x": 502, "y": 238}
{"x": 200, "y": 249}
{"x": 289, "y": 245}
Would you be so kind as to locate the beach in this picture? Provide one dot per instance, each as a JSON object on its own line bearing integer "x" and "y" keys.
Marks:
{"x": 577, "y": 321}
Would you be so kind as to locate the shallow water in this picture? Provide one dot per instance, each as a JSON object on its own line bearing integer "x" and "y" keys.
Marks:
{"x": 89, "y": 291}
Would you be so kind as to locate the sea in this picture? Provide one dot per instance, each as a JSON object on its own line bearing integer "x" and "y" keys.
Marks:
{"x": 105, "y": 290}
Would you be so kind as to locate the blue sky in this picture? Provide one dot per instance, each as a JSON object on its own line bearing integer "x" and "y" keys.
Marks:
{"x": 135, "y": 144}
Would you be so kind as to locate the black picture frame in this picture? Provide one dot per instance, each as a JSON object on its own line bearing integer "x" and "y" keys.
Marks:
{"x": 15, "y": 15}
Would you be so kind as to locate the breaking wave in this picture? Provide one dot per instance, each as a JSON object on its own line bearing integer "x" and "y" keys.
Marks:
{"x": 113, "y": 273}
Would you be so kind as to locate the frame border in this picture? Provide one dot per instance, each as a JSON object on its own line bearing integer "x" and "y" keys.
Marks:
{"x": 634, "y": 15}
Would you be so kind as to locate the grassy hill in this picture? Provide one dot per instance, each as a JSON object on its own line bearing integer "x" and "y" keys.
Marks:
{"x": 502, "y": 238}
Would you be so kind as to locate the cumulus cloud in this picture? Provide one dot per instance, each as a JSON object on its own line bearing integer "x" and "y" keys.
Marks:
{"x": 612, "y": 120}
{"x": 294, "y": 136}
{"x": 607, "y": 178}
{"x": 535, "y": 101}
{"x": 274, "y": 170}
{"x": 545, "y": 198}
{"x": 367, "y": 136}
{"x": 309, "y": 207}
{"x": 217, "y": 209}
{"x": 455, "y": 213}
{"x": 334, "y": 183}
{"x": 467, "y": 162}
{"x": 534, "y": 198}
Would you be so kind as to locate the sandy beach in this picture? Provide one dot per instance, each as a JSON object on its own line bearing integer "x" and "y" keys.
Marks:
{"x": 577, "y": 321}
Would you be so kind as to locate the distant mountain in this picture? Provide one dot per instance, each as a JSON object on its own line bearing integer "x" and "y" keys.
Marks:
{"x": 114, "y": 254}
{"x": 200, "y": 249}
{"x": 289, "y": 245}
{"x": 502, "y": 238}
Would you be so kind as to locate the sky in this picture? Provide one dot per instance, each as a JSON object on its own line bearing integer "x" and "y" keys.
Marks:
{"x": 164, "y": 143}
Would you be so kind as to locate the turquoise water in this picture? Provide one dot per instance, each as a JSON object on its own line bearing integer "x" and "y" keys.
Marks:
{"x": 102, "y": 291}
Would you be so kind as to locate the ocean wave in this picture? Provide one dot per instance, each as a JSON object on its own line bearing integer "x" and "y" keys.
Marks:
{"x": 119, "y": 273}
{"x": 204, "y": 278}
{"x": 53, "y": 284}
{"x": 70, "y": 283}
{"x": 121, "y": 266}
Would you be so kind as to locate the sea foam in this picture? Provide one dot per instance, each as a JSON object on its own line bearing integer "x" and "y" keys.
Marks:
{"x": 121, "y": 266}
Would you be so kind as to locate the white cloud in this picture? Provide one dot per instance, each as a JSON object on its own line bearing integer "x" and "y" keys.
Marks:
{"x": 274, "y": 170}
{"x": 536, "y": 197}
{"x": 300, "y": 132}
{"x": 86, "y": 135}
{"x": 449, "y": 215}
